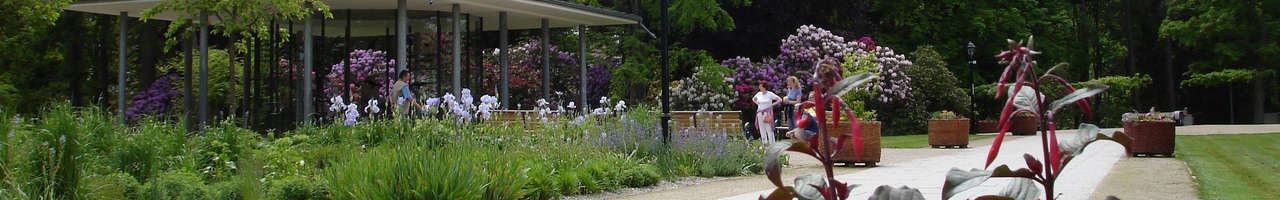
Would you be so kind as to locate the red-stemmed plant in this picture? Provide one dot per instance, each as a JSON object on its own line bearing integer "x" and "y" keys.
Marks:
{"x": 825, "y": 145}
{"x": 1025, "y": 97}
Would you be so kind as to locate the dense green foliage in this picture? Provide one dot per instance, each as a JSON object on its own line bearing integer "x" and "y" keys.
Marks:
{"x": 1223, "y": 77}
{"x": 935, "y": 87}
{"x": 1232, "y": 166}
{"x": 1110, "y": 105}
{"x": 80, "y": 152}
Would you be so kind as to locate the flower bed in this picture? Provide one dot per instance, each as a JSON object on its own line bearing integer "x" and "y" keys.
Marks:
{"x": 870, "y": 144}
{"x": 394, "y": 159}
{"x": 1024, "y": 125}
{"x": 949, "y": 133}
{"x": 988, "y": 126}
{"x": 1151, "y": 137}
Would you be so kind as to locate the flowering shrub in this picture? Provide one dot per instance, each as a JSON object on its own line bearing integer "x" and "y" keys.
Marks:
{"x": 526, "y": 76}
{"x": 598, "y": 77}
{"x": 155, "y": 100}
{"x": 369, "y": 68}
{"x": 946, "y": 115}
{"x": 1150, "y": 116}
{"x": 747, "y": 75}
{"x": 810, "y": 43}
{"x": 692, "y": 93}
{"x": 894, "y": 84}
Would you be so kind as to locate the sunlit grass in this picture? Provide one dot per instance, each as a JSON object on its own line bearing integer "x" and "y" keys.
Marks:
{"x": 1233, "y": 166}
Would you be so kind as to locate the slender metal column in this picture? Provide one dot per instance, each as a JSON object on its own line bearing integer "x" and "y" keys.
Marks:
{"x": 204, "y": 70}
{"x": 402, "y": 35}
{"x": 121, "y": 102}
{"x": 582, "y": 65}
{"x": 346, "y": 65}
{"x": 188, "y": 104}
{"x": 546, "y": 58}
{"x": 503, "y": 60}
{"x": 666, "y": 91}
{"x": 457, "y": 49}
{"x": 307, "y": 61}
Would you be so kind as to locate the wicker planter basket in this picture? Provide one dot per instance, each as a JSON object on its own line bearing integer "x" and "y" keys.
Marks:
{"x": 1023, "y": 125}
{"x": 1151, "y": 137}
{"x": 988, "y": 126}
{"x": 870, "y": 145}
{"x": 952, "y": 133}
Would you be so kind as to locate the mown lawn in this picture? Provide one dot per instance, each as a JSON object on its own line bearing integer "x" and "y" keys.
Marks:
{"x": 917, "y": 141}
{"x": 1233, "y": 166}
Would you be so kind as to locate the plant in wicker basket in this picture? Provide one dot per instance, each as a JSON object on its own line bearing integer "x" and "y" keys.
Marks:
{"x": 1153, "y": 132}
{"x": 947, "y": 129}
{"x": 1057, "y": 153}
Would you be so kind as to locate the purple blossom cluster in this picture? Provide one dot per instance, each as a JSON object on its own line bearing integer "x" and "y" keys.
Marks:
{"x": 525, "y": 68}
{"x": 155, "y": 100}
{"x": 368, "y": 67}
{"x": 598, "y": 76}
{"x": 747, "y": 74}
{"x": 801, "y": 50}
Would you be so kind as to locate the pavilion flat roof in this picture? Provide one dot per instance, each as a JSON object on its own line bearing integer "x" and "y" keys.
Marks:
{"x": 521, "y": 14}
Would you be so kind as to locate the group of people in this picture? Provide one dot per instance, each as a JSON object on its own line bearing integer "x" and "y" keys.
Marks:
{"x": 765, "y": 101}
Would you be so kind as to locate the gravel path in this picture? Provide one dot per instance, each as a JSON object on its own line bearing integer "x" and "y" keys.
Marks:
{"x": 1148, "y": 178}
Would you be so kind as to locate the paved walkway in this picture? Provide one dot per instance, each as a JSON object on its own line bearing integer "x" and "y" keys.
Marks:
{"x": 1079, "y": 180}
{"x": 1096, "y": 174}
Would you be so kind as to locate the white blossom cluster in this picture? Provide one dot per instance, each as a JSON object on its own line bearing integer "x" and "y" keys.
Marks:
{"x": 691, "y": 94}
{"x": 893, "y": 84}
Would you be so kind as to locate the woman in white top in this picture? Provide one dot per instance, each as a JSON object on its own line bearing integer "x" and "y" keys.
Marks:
{"x": 765, "y": 100}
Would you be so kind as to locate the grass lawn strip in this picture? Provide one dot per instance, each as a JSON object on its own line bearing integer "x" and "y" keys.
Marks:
{"x": 917, "y": 141}
{"x": 1243, "y": 166}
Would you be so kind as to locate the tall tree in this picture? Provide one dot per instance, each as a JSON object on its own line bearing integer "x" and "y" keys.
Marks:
{"x": 1227, "y": 34}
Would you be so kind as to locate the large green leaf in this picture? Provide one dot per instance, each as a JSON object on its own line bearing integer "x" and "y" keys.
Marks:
{"x": 1079, "y": 94}
{"x": 1086, "y": 134}
{"x": 1025, "y": 99}
{"x": 960, "y": 180}
{"x": 772, "y": 166}
{"x": 1021, "y": 186}
{"x": 885, "y": 192}
{"x": 807, "y": 185}
{"x": 849, "y": 83}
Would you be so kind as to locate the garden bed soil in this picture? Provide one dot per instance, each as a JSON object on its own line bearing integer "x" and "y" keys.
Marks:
{"x": 1151, "y": 137}
{"x": 1024, "y": 125}
{"x": 949, "y": 133}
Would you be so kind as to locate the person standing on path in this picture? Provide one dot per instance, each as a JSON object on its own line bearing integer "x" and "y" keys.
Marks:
{"x": 765, "y": 100}
{"x": 794, "y": 94}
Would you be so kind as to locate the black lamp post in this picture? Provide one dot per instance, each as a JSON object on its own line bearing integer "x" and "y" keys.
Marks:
{"x": 973, "y": 67}
{"x": 666, "y": 91}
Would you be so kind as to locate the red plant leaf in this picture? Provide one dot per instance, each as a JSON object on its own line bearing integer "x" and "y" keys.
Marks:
{"x": 1055, "y": 157}
{"x": 783, "y": 193}
{"x": 1032, "y": 163}
{"x": 993, "y": 197}
{"x": 1005, "y": 171}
